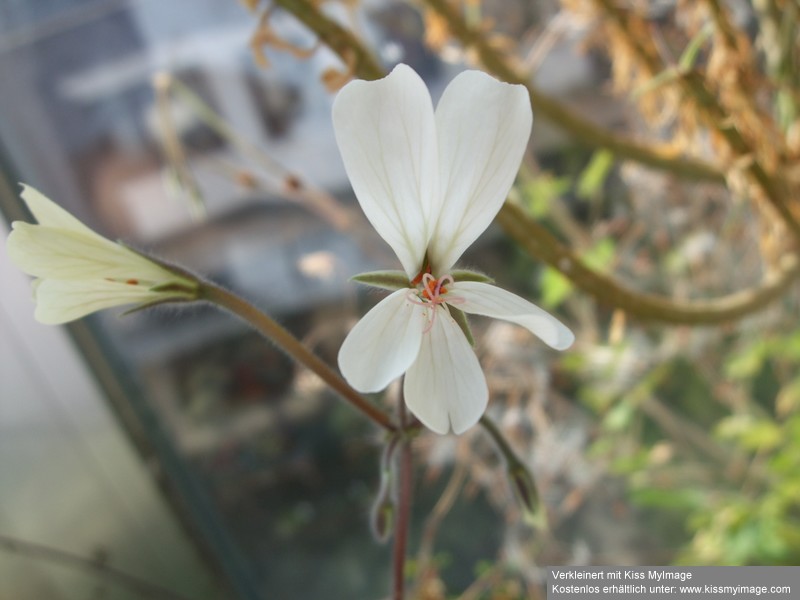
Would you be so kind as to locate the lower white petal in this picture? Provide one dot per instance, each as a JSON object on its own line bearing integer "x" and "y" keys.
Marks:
{"x": 60, "y": 301}
{"x": 383, "y": 344}
{"x": 445, "y": 388}
{"x": 491, "y": 301}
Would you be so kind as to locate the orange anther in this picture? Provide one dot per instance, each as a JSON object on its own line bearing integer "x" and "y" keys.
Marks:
{"x": 420, "y": 275}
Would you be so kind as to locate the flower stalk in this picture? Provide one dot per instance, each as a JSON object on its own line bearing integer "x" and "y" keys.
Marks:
{"x": 519, "y": 475}
{"x": 294, "y": 348}
{"x": 404, "y": 484}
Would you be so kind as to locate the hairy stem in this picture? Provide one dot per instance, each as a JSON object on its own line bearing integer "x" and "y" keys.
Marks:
{"x": 294, "y": 348}
{"x": 405, "y": 475}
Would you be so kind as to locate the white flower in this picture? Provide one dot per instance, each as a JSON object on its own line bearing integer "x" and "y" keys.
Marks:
{"x": 80, "y": 272}
{"x": 430, "y": 183}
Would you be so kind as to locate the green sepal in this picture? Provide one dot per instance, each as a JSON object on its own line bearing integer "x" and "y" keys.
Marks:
{"x": 387, "y": 280}
{"x": 524, "y": 487}
{"x": 460, "y": 318}
{"x": 152, "y": 303}
{"x": 188, "y": 288}
{"x": 465, "y": 275}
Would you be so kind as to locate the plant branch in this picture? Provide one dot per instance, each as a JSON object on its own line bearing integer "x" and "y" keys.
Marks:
{"x": 539, "y": 242}
{"x": 346, "y": 45}
{"x": 293, "y": 347}
{"x": 584, "y": 131}
{"x": 336, "y": 37}
{"x": 53, "y": 555}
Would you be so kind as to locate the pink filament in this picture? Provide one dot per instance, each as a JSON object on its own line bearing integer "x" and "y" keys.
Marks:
{"x": 434, "y": 298}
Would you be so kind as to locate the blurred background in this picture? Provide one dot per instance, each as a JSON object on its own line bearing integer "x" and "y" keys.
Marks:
{"x": 176, "y": 452}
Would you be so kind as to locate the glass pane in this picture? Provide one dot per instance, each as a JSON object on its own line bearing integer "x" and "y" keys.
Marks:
{"x": 275, "y": 479}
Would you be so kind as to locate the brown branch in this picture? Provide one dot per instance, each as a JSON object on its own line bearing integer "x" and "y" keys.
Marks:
{"x": 336, "y": 37}
{"x": 539, "y": 242}
{"x": 344, "y": 43}
{"x": 584, "y": 131}
{"x": 284, "y": 340}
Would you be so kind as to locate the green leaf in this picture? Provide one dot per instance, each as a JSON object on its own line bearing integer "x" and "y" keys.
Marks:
{"x": 594, "y": 175}
{"x": 387, "y": 280}
{"x": 541, "y": 191}
{"x": 601, "y": 256}
{"x": 689, "y": 56}
{"x": 748, "y": 362}
{"x": 555, "y": 288}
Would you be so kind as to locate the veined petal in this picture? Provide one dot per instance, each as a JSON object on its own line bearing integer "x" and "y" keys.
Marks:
{"x": 60, "y": 301}
{"x": 491, "y": 301}
{"x": 51, "y": 214}
{"x": 44, "y": 251}
{"x": 445, "y": 387}
{"x": 383, "y": 344}
{"x": 482, "y": 127}
{"x": 386, "y": 134}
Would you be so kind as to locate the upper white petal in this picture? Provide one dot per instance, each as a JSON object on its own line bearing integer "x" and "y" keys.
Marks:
{"x": 45, "y": 251}
{"x": 383, "y": 344}
{"x": 60, "y": 301}
{"x": 51, "y": 214}
{"x": 445, "y": 388}
{"x": 491, "y": 301}
{"x": 483, "y": 127}
{"x": 386, "y": 134}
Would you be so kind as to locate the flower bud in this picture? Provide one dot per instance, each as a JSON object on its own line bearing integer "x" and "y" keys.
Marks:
{"x": 383, "y": 515}
{"x": 525, "y": 490}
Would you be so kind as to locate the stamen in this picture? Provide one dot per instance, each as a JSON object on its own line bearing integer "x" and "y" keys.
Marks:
{"x": 432, "y": 295}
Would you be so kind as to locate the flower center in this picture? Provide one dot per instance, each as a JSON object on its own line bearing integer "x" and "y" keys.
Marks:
{"x": 430, "y": 293}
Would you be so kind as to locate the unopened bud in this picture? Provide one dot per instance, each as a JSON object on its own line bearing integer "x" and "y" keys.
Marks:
{"x": 382, "y": 521}
{"x": 525, "y": 490}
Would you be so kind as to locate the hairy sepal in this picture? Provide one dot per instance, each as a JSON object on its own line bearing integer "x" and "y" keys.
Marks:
{"x": 386, "y": 280}
{"x": 467, "y": 275}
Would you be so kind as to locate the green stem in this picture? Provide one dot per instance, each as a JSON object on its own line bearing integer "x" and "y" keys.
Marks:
{"x": 293, "y": 347}
{"x": 511, "y": 458}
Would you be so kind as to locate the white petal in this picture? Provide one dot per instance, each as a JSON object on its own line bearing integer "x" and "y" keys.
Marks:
{"x": 445, "y": 388}
{"x": 490, "y": 301}
{"x": 59, "y": 301}
{"x": 386, "y": 134}
{"x": 483, "y": 127}
{"x": 51, "y": 214}
{"x": 383, "y": 344}
{"x": 44, "y": 251}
